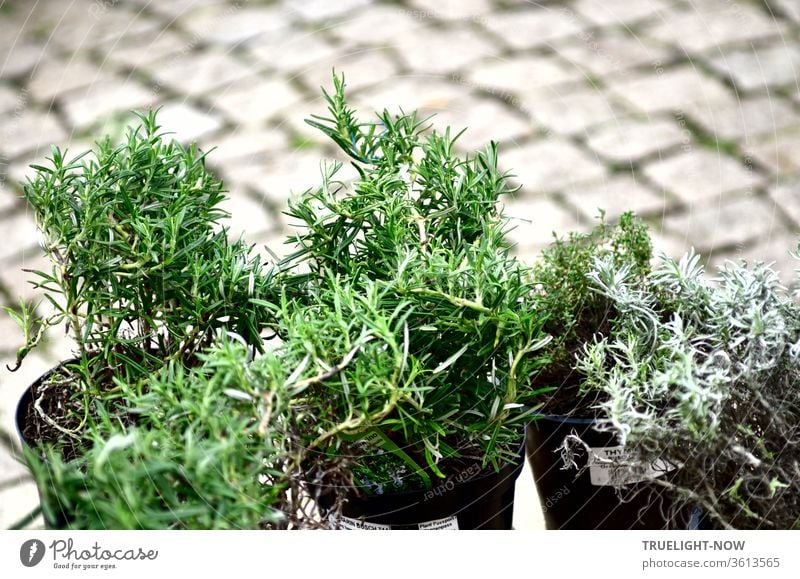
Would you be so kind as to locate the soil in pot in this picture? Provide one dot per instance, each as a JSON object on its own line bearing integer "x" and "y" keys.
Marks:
{"x": 589, "y": 498}
{"x": 54, "y": 394}
{"x": 469, "y": 499}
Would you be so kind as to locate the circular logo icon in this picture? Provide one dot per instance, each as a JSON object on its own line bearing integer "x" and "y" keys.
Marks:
{"x": 31, "y": 553}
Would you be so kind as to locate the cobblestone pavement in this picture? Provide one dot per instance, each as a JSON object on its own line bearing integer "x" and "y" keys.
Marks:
{"x": 687, "y": 111}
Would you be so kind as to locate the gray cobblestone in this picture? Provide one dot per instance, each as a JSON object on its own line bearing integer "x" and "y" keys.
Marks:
{"x": 253, "y": 100}
{"x": 551, "y": 165}
{"x": 8, "y": 196}
{"x": 28, "y": 131}
{"x": 293, "y": 122}
{"x": 788, "y": 8}
{"x": 276, "y": 181}
{"x": 607, "y": 12}
{"x": 534, "y": 220}
{"x": 779, "y": 153}
{"x": 420, "y": 92}
{"x": 775, "y": 249}
{"x": 667, "y": 243}
{"x": 85, "y": 25}
{"x": 18, "y": 284}
{"x": 611, "y": 52}
{"x": 195, "y": 74}
{"x": 233, "y": 73}
{"x": 521, "y": 73}
{"x": 702, "y": 176}
{"x": 616, "y": 196}
{"x": 361, "y": 69}
{"x": 234, "y": 23}
{"x": 286, "y": 52}
{"x": 85, "y": 107}
{"x": 9, "y": 99}
{"x": 786, "y": 194}
{"x": 56, "y": 77}
{"x": 378, "y": 26}
{"x": 795, "y": 95}
{"x": 485, "y": 120}
{"x": 246, "y": 145}
{"x": 138, "y": 53}
{"x": 187, "y": 123}
{"x": 17, "y": 502}
{"x": 175, "y": 9}
{"x": 319, "y": 10}
{"x": 760, "y": 68}
{"x": 451, "y": 9}
{"x": 11, "y": 469}
{"x": 714, "y": 226}
{"x": 672, "y": 89}
{"x": 699, "y": 29}
{"x": 249, "y": 217}
{"x": 746, "y": 119}
{"x": 20, "y": 58}
{"x": 435, "y": 51}
{"x": 523, "y": 29}
{"x": 19, "y": 237}
{"x": 630, "y": 140}
{"x": 572, "y": 110}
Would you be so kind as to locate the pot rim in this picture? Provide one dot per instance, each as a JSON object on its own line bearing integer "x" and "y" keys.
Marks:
{"x": 515, "y": 466}
{"x": 565, "y": 419}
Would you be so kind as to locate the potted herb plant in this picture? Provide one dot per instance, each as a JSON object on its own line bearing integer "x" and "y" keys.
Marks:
{"x": 414, "y": 337}
{"x": 136, "y": 430}
{"x": 577, "y": 314}
{"x": 702, "y": 373}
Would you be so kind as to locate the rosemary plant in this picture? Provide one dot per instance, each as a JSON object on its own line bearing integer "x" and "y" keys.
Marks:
{"x": 703, "y": 373}
{"x": 150, "y": 425}
{"x": 415, "y": 246}
{"x": 196, "y": 457}
{"x": 142, "y": 271}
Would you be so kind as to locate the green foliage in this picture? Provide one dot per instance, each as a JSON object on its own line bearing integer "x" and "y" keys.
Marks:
{"x": 142, "y": 271}
{"x": 574, "y": 311}
{"x": 416, "y": 244}
{"x": 703, "y": 373}
{"x": 401, "y": 314}
{"x": 196, "y": 458}
{"x": 414, "y": 194}
{"x": 138, "y": 431}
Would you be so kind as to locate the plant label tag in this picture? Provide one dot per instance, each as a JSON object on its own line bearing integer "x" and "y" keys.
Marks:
{"x": 348, "y": 524}
{"x": 614, "y": 466}
{"x": 446, "y": 524}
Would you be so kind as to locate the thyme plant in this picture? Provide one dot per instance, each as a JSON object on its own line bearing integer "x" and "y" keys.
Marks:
{"x": 415, "y": 244}
{"x": 574, "y": 313}
{"x": 704, "y": 373}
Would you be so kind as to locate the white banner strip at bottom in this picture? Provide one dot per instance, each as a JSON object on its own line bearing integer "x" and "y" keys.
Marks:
{"x": 123, "y": 554}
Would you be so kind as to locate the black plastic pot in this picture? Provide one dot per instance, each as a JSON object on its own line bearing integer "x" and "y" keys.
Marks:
{"x": 482, "y": 501}
{"x": 586, "y": 498}
{"x": 23, "y": 408}
{"x": 57, "y": 519}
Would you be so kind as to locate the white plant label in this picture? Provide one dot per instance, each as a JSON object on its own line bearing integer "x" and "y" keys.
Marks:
{"x": 349, "y": 524}
{"x": 446, "y": 524}
{"x": 605, "y": 470}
